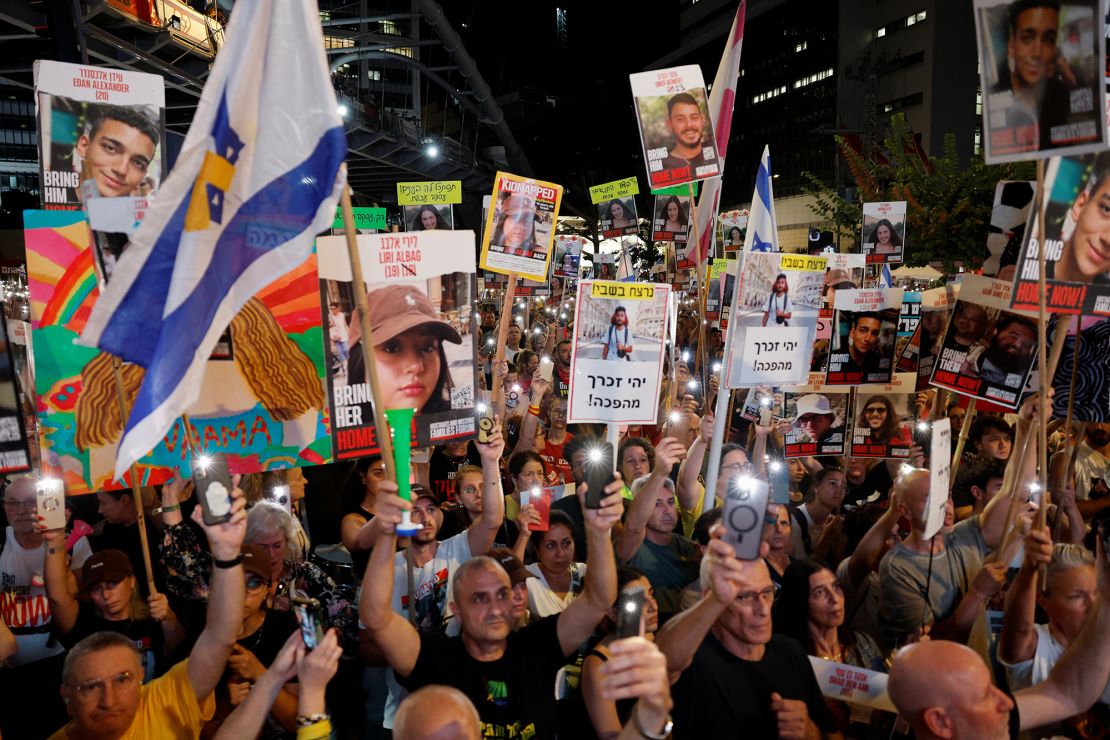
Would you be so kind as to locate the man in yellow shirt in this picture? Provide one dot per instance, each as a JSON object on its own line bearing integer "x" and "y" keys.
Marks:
{"x": 102, "y": 677}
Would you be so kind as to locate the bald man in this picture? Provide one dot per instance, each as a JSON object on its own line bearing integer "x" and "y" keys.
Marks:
{"x": 437, "y": 713}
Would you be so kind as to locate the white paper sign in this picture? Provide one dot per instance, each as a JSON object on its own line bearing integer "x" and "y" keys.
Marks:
{"x": 848, "y": 683}
{"x": 940, "y": 448}
{"x": 775, "y": 355}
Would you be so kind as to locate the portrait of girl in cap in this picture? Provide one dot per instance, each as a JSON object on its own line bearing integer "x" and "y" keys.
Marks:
{"x": 408, "y": 350}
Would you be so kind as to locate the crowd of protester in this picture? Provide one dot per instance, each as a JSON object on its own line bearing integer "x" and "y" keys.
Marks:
{"x": 499, "y": 618}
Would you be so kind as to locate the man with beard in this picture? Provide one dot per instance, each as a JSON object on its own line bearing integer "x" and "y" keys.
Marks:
{"x": 1092, "y": 469}
{"x": 562, "y": 369}
{"x": 687, "y": 124}
{"x": 1005, "y": 360}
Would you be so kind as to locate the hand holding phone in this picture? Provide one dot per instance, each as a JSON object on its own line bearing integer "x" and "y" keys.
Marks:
{"x": 744, "y": 512}
{"x": 50, "y": 502}
{"x": 213, "y": 487}
{"x": 599, "y": 473}
{"x": 309, "y": 616}
{"x": 547, "y": 369}
{"x": 630, "y": 612}
{"x": 485, "y": 426}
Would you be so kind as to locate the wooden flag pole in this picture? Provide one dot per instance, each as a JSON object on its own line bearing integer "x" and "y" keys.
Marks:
{"x": 385, "y": 438}
{"x": 1042, "y": 367}
{"x": 703, "y": 293}
{"x": 962, "y": 440}
{"x": 502, "y": 338}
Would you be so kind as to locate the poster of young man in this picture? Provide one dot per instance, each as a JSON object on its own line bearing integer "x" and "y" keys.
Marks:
{"x": 762, "y": 403}
{"x": 1013, "y": 200}
{"x": 818, "y": 417}
{"x": 988, "y": 351}
{"x": 101, "y": 132}
{"x": 520, "y": 226}
{"x": 842, "y": 272}
{"x": 717, "y": 271}
{"x": 617, "y": 217}
{"x": 921, "y": 352}
{"x": 419, "y": 289}
{"x": 733, "y": 224}
{"x": 864, "y": 333}
{"x": 568, "y": 255}
{"x": 617, "y": 357}
{"x": 882, "y": 420}
{"x": 1077, "y": 240}
{"x": 776, "y": 319}
{"x": 728, "y": 291}
{"x": 429, "y": 217}
{"x": 884, "y": 231}
{"x": 675, "y": 129}
{"x": 672, "y": 219}
{"x": 1041, "y": 68}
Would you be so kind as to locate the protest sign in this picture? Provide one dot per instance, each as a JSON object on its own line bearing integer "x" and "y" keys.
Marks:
{"x": 672, "y": 219}
{"x": 884, "y": 231}
{"x": 728, "y": 290}
{"x": 419, "y": 289}
{"x": 1047, "y": 98}
{"x": 367, "y": 220}
{"x": 732, "y": 225}
{"x": 520, "y": 226}
{"x": 1013, "y": 201}
{"x": 920, "y": 353}
{"x": 429, "y": 218}
{"x": 87, "y": 118}
{"x": 625, "y": 188}
{"x": 617, "y": 356}
{"x": 988, "y": 351}
{"x": 882, "y": 420}
{"x": 717, "y": 271}
{"x": 445, "y": 192}
{"x": 617, "y": 217}
{"x": 675, "y": 127}
{"x": 265, "y": 409}
{"x": 864, "y": 332}
{"x": 908, "y": 320}
{"x": 605, "y": 266}
{"x": 686, "y": 257}
{"x": 818, "y": 416}
{"x": 842, "y": 682}
{"x": 762, "y": 403}
{"x": 775, "y": 317}
{"x": 568, "y": 255}
{"x": 940, "y": 468}
{"x": 1077, "y": 256}
{"x": 842, "y": 272}
{"x": 14, "y": 449}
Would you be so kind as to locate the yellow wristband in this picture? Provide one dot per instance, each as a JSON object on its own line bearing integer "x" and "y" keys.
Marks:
{"x": 317, "y": 731}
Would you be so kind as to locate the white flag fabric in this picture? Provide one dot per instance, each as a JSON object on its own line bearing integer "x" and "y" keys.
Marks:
{"x": 258, "y": 177}
{"x": 763, "y": 228}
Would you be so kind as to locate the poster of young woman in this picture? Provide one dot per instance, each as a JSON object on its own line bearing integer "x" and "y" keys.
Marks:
{"x": 882, "y": 421}
{"x": 568, "y": 255}
{"x": 732, "y": 225}
{"x": 864, "y": 333}
{"x": 420, "y": 293}
{"x": 617, "y": 217}
{"x": 675, "y": 128}
{"x": 1077, "y": 256}
{"x": 520, "y": 226}
{"x": 429, "y": 217}
{"x": 672, "y": 219}
{"x": 818, "y": 417}
{"x": 617, "y": 355}
{"x": 101, "y": 131}
{"x": 988, "y": 351}
{"x": 884, "y": 231}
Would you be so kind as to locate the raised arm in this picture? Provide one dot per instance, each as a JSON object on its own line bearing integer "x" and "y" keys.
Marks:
{"x": 668, "y": 452}
{"x": 526, "y": 439}
{"x": 483, "y": 530}
{"x": 63, "y": 603}
{"x": 397, "y": 640}
{"x": 869, "y": 551}
{"x": 185, "y": 564}
{"x": 227, "y": 593}
{"x": 688, "y": 491}
{"x": 578, "y": 620}
{"x": 1018, "y": 640}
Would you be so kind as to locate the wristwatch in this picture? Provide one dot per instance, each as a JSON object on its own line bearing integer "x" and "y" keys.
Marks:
{"x": 668, "y": 725}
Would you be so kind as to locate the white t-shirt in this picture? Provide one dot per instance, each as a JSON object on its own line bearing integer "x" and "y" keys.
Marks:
{"x": 23, "y": 602}
{"x": 615, "y": 335}
{"x": 542, "y": 601}
{"x": 1089, "y": 464}
{"x": 1031, "y": 672}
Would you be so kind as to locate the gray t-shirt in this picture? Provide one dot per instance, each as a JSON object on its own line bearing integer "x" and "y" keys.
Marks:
{"x": 902, "y": 576}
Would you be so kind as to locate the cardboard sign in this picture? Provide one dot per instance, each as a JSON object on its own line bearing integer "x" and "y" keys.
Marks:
{"x": 864, "y": 336}
{"x": 617, "y": 356}
{"x": 366, "y": 219}
{"x": 924, "y": 346}
{"x": 776, "y": 355}
{"x": 444, "y": 192}
{"x": 671, "y": 222}
{"x": 884, "y": 231}
{"x": 848, "y": 683}
{"x": 1013, "y": 201}
{"x": 1034, "y": 108}
{"x": 882, "y": 420}
{"x": 988, "y": 351}
{"x": 842, "y": 272}
{"x": 568, "y": 255}
{"x": 940, "y": 467}
{"x": 732, "y": 225}
{"x": 818, "y": 419}
{"x": 428, "y": 218}
{"x": 625, "y": 188}
{"x": 675, "y": 126}
{"x": 420, "y": 291}
{"x": 520, "y": 226}
{"x": 81, "y": 107}
{"x": 617, "y": 217}
{"x": 1077, "y": 257}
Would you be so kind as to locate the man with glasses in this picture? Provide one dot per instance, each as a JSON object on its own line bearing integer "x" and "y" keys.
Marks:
{"x": 102, "y": 675}
{"x": 25, "y": 609}
{"x": 737, "y": 678}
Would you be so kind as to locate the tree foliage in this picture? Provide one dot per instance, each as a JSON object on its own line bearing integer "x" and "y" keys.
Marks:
{"x": 948, "y": 201}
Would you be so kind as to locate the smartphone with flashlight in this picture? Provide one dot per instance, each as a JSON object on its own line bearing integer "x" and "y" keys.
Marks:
{"x": 50, "y": 502}
{"x": 309, "y": 616}
{"x": 547, "y": 369}
{"x": 599, "y": 473}
{"x": 744, "y": 512}
{"x": 485, "y": 426}
{"x": 280, "y": 495}
{"x": 630, "y": 612}
{"x": 213, "y": 486}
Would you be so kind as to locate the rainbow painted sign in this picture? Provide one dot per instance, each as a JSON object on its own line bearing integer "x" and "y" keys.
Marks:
{"x": 262, "y": 403}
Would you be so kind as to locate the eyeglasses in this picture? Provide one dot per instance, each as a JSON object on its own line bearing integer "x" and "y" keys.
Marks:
{"x": 255, "y": 584}
{"x": 13, "y": 503}
{"x": 468, "y": 490}
{"x": 748, "y": 598}
{"x": 736, "y": 468}
{"x": 92, "y": 689}
{"x": 875, "y": 410}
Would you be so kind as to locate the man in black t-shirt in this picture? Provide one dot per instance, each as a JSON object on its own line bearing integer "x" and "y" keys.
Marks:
{"x": 509, "y": 676}
{"x": 443, "y": 467}
{"x": 737, "y": 679}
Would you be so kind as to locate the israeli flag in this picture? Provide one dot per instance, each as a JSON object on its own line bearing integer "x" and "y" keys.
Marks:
{"x": 763, "y": 229}
{"x": 886, "y": 280}
{"x": 258, "y": 177}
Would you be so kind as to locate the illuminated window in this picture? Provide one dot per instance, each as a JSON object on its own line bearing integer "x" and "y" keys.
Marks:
{"x": 880, "y": 33}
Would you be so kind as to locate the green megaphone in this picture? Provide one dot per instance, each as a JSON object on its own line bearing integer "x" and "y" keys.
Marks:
{"x": 400, "y": 423}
